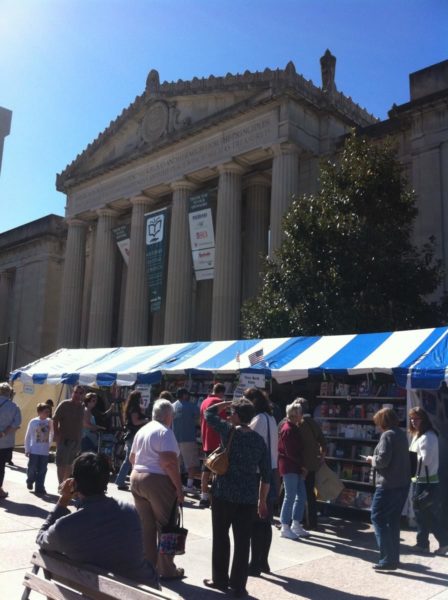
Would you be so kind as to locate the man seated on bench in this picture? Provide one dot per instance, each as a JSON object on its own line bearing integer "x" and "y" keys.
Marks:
{"x": 103, "y": 532}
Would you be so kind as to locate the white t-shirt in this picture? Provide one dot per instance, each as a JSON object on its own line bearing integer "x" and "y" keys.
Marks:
{"x": 260, "y": 424}
{"x": 149, "y": 441}
{"x": 427, "y": 448}
{"x": 38, "y": 437}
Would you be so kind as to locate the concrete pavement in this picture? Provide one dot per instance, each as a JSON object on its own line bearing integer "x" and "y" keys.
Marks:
{"x": 334, "y": 564}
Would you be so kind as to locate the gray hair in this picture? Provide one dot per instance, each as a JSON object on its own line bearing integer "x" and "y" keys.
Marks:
{"x": 5, "y": 388}
{"x": 302, "y": 402}
{"x": 161, "y": 410}
{"x": 293, "y": 409}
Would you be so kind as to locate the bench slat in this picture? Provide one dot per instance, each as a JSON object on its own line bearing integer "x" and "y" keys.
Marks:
{"x": 96, "y": 583}
{"x": 51, "y": 589}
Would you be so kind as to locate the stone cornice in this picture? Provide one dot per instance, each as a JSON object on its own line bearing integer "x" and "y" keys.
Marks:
{"x": 270, "y": 82}
{"x": 231, "y": 167}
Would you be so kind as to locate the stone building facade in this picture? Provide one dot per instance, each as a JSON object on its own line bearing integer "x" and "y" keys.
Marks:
{"x": 31, "y": 265}
{"x": 250, "y": 140}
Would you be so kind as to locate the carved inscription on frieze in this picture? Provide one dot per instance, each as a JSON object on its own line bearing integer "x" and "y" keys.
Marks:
{"x": 207, "y": 153}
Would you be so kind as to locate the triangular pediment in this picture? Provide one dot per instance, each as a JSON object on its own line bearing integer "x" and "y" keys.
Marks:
{"x": 168, "y": 112}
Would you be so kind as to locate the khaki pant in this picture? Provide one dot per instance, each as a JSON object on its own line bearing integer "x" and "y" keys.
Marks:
{"x": 154, "y": 496}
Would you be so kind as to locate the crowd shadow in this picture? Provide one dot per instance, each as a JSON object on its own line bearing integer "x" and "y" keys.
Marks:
{"x": 23, "y": 509}
{"x": 298, "y": 588}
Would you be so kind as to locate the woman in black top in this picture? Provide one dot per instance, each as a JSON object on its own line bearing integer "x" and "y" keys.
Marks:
{"x": 235, "y": 494}
{"x": 134, "y": 419}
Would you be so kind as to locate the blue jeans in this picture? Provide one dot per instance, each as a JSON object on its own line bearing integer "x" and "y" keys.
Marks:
{"x": 430, "y": 519}
{"x": 387, "y": 505}
{"x": 125, "y": 465}
{"x": 295, "y": 498}
{"x": 37, "y": 469}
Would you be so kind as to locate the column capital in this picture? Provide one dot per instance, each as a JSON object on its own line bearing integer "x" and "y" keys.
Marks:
{"x": 141, "y": 200}
{"x": 76, "y": 222}
{"x": 231, "y": 167}
{"x": 183, "y": 184}
{"x": 285, "y": 148}
{"x": 105, "y": 211}
{"x": 257, "y": 179}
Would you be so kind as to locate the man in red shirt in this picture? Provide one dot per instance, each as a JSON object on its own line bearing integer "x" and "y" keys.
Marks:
{"x": 210, "y": 438}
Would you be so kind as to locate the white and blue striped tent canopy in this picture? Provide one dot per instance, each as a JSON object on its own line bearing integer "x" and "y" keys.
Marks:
{"x": 417, "y": 359}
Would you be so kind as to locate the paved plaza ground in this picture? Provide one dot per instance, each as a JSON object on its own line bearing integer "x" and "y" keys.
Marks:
{"x": 334, "y": 564}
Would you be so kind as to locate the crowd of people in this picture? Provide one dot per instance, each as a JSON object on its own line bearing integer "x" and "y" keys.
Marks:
{"x": 265, "y": 456}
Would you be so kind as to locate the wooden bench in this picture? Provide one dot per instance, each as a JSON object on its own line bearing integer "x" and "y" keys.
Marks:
{"x": 62, "y": 579}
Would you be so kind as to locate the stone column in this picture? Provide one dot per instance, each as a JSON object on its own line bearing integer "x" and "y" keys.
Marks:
{"x": 227, "y": 282}
{"x": 256, "y": 228}
{"x": 72, "y": 285}
{"x": 6, "y": 350}
{"x": 136, "y": 304}
{"x": 102, "y": 299}
{"x": 179, "y": 288}
{"x": 285, "y": 183}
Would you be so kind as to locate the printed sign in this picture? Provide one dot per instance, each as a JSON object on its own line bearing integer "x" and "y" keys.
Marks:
{"x": 123, "y": 240}
{"x": 252, "y": 380}
{"x": 155, "y": 256}
{"x": 202, "y": 236}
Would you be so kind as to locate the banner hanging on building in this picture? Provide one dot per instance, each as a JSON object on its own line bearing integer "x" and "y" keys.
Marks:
{"x": 155, "y": 225}
{"x": 123, "y": 240}
{"x": 202, "y": 236}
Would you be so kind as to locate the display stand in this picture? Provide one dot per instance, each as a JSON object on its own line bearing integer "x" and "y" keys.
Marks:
{"x": 345, "y": 412}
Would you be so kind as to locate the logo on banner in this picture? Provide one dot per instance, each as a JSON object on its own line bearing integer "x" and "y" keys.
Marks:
{"x": 154, "y": 229}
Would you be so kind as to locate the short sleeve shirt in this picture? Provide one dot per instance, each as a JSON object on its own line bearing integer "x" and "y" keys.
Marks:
{"x": 186, "y": 416}
{"x": 70, "y": 416}
{"x": 149, "y": 441}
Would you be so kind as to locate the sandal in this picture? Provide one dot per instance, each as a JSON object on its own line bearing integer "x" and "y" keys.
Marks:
{"x": 180, "y": 574}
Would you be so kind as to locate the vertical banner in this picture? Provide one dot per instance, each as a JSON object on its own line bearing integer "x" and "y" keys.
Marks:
{"x": 123, "y": 240}
{"x": 202, "y": 236}
{"x": 156, "y": 223}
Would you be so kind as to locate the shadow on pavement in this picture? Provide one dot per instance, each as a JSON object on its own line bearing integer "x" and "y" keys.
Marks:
{"x": 23, "y": 509}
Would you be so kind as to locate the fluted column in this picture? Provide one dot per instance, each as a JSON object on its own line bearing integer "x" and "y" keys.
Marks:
{"x": 72, "y": 285}
{"x": 256, "y": 227}
{"x": 227, "y": 282}
{"x": 179, "y": 288}
{"x": 285, "y": 183}
{"x": 136, "y": 305}
{"x": 6, "y": 350}
{"x": 102, "y": 299}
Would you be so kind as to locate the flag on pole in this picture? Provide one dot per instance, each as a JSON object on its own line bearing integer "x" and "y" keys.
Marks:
{"x": 256, "y": 357}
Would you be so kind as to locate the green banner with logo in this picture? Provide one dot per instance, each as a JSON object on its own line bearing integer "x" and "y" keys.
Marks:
{"x": 156, "y": 227}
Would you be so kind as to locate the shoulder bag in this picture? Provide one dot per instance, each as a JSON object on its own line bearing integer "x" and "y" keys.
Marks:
{"x": 218, "y": 461}
{"x": 424, "y": 499}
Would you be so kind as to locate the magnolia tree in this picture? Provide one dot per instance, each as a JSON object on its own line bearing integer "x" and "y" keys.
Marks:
{"x": 347, "y": 263}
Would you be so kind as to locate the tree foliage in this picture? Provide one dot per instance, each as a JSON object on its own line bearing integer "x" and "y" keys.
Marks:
{"x": 347, "y": 263}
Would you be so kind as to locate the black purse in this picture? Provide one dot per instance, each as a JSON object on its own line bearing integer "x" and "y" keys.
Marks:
{"x": 424, "y": 499}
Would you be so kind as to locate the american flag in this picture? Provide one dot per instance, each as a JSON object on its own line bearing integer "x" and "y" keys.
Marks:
{"x": 256, "y": 357}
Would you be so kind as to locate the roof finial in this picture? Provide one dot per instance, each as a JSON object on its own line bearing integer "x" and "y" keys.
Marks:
{"x": 328, "y": 70}
{"x": 153, "y": 83}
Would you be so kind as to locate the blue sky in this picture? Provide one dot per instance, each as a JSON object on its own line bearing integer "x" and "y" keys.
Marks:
{"x": 69, "y": 67}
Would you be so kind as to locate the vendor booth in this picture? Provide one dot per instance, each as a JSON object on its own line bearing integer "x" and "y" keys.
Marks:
{"x": 355, "y": 374}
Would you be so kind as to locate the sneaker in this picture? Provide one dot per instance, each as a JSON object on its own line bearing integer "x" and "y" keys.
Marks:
{"x": 300, "y": 531}
{"x": 288, "y": 533}
{"x": 441, "y": 551}
{"x": 204, "y": 503}
{"x": 42, "y": 492}
{"x": 190, "y": 489}
{"x": 29, "y": 485}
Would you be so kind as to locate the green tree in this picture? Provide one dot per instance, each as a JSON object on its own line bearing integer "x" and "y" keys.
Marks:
{"x": 347, "y": 263}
